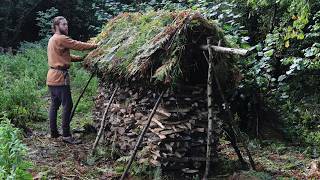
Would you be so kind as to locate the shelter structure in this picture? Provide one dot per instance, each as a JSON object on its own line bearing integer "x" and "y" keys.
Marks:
{"x": 180, "y": 57}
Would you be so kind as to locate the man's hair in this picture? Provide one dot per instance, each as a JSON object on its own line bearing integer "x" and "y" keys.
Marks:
{"x": 56, "y": 21}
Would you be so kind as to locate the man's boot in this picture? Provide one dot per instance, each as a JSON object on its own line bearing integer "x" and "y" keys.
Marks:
{"x": 71, "y": 140}
{"x": 55, "y": 134}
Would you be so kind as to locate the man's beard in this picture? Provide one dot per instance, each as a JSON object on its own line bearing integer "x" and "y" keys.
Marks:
{"x": 63, "y": 31}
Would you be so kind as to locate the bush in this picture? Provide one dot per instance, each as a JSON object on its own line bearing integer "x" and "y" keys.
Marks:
{"x": 45, "y": 20}
{"x": 12, "y": 153}
{"x": 286, "y": 71}
{"x": 22, "y": 84}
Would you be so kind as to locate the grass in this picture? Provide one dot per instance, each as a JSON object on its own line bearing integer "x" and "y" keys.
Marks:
{"x": 152, "y": 47}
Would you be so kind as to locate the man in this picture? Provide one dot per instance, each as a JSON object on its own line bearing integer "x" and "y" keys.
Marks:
{"x": 58, "y": 80}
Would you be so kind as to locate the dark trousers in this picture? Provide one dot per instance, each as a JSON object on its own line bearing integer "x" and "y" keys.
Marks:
{"x": 60, "y": 95}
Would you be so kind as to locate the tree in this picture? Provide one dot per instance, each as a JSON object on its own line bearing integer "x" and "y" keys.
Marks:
{"x": 13, "y": 13}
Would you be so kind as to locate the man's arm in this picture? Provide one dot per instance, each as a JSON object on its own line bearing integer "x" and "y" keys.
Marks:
{"x": 69, "y": 43}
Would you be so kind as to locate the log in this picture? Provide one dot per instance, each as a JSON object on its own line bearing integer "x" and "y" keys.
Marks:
{"x": 188, "y": 159}
{"x": 226, "y": 50}
{"x": 177, "y": 128}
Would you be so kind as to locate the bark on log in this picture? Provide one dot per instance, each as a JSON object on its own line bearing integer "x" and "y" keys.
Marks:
{"x": 242, "y": 52}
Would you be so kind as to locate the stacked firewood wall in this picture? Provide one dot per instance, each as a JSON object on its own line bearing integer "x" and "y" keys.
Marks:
{"x": 178, "y": 129}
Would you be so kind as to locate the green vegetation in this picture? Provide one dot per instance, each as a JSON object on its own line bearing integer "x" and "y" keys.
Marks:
{"x": 127, "y": 35}
{"x": 12, "y": 153}
{"x": 285, "y": 67}
{"x": 23, "y": 84}
{"x": 24, "y": 99}
{"x": 20, "y": 19}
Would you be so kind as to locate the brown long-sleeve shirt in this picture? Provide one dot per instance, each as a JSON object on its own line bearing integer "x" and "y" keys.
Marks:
{"x": 59, "y": 57}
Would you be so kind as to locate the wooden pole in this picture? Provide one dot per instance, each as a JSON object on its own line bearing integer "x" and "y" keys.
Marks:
{"x": 102, "y": 126}
{"x": 211, "y": 115}
{"x": 124, "y": 174}
{"x": 231, "y": 132}
{"x": 84, "y": 89}
{"x": 242, "y": 52}
{"x": 253, "y": 165}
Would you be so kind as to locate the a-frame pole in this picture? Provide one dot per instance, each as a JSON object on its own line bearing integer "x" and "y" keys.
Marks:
{"x": 230, "y": 130}
{"x": 210, "y": 110}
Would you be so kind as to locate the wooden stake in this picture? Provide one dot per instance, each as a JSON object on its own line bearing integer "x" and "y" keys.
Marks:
{"x": 253, "y": 165}
{"x": 211, "y": 115}
{"x": 104, "y": 117}
{"x": 141, "y": 136}
{"x": 113, "y": 145}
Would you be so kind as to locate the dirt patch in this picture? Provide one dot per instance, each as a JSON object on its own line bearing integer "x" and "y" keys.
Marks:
{"x": 55, "y": 159}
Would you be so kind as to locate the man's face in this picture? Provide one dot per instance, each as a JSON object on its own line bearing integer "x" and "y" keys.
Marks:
{"x": 63, "y": 27}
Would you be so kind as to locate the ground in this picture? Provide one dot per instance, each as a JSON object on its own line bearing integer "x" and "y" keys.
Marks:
{"x": 56, "y": 160}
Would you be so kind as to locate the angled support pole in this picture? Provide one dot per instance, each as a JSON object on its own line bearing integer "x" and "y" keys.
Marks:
{"x": 84, "y": 89}
{"x": 103, "y": 121}
{"x": 146, "y": 127}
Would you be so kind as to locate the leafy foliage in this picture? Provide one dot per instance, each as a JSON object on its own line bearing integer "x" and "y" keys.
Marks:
{"x": 12, "y": 153}
{"x": 13, "y": 14}
{"x": 22, "y": 76}
{"x": 45, "y": 20}
{"x": 21, "y": 19}
{"x": 285, "y": 68}
{"x": 286, "y": 34}
{"x": 142, "y": 170}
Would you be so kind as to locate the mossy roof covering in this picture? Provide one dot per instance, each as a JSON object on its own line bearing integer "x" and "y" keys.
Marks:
{"x": 148, "y": 47}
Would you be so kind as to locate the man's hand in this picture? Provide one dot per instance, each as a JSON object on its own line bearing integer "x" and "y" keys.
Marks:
{"x": 95, "y": 46}
{"x": 99, "y": 43}
{"x": 76, "y": 58}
